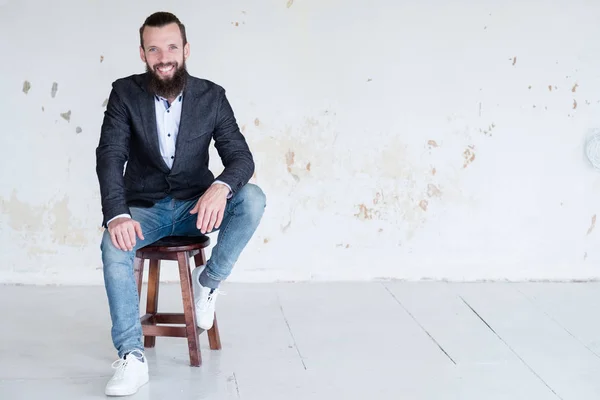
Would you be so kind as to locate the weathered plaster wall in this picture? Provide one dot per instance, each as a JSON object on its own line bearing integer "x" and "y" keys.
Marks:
{"x": 393, "y": 139}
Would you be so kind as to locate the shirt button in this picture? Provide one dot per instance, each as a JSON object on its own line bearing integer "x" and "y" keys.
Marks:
{"x": 172, "y": 157}
{"x": 168, "y": 111}
{"x": 168, "y": 134}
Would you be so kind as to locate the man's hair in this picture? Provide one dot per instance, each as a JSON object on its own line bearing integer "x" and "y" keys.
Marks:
{"x": 160, "y": 19}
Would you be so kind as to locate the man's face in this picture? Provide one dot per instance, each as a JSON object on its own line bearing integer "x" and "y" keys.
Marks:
{"x": 164, "y": 52}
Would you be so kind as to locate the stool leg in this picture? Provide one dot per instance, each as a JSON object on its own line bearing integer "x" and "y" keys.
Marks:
{"x": 138, "y": 272}
{"x": 214, "y": 339}
{"x": 188, "y": 308}
{"x": 200, "y": 258}
{"x": 152, "y": 301}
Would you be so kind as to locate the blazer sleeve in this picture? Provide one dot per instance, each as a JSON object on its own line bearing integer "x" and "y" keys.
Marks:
{"x": 232, "y": 147}
{"x": 111, "y": 154}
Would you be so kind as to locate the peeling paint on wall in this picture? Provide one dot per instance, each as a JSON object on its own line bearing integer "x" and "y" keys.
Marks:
{"x": 66, "y": 116}
{"x": 289, "y": 3}
{"x": 54, "y": 90}
{"x": 575, "y": 86}
{"x": 78, "y": 129}
{"x": 423, "y": 204}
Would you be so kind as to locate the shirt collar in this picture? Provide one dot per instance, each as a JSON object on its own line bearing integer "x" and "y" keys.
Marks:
{"x": 159, "y": 98}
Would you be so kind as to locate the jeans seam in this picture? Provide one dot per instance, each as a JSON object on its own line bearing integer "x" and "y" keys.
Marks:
{"x": 223, "y": 231}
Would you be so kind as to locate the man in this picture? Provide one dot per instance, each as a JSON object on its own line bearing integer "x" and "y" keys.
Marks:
{"x": 161, "y": 124}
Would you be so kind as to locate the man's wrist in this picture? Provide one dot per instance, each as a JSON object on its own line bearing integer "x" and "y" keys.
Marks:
{"x": 225, "y": 186}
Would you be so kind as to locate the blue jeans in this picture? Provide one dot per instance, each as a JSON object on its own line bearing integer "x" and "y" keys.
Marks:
{"x": 170, "y": 217}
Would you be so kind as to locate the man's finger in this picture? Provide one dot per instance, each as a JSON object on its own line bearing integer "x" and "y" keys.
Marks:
{"x": 201, "y": 211}
{"x": 113, "y": 239}
{"x": 138, "y": 230}
{"x": 213, "y": 219}
{"x": 205, "y": 220}
{"x": 219, "y": 218}
{"x": 126, "y": 241}
{"x": 131, "y": 235}
{"x": 120, "y": 240}
{"x": 195, "y": 209}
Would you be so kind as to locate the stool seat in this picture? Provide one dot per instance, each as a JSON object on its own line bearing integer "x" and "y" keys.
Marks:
{"x": 178, "y": 243}
{"x": 154, "y": 323}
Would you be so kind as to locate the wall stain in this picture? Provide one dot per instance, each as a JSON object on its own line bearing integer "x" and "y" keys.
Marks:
{"x": 105, "y": 103}
{"x": 469, "y": 156}
{"x": 26, "y": 87}
{"x": 289, "y": 3}
{"x": 308, "y": 167}
{"x": 433, "y": 191}
{"x": 66, "y": 116}
{"x": 101, "y": 58}
{"x": 286, "y": 227}
{"x": 514, "y": 60}
{"x": 550, "y": 87}
{"x": 43, "y": 109}
{"x": 266, "y": 241}
{"x": 243, "y": 128}
{"x": 289, "y": 160}
{"x": 423, "y": 204}
{"x": 574, "y": 104}
{"x": 432, "y": 143}
{"x": 575, "y": 86}
{"x": 593, "y": 225}
{"x": 433, "y": 171}
{"x": 256, "y": 122}
{"x": 78, "y": 129}
{"x": 54, "y": 90}
{"x": 585, "y": 256}
{"x": 364, "y": 212}
{"x": 369, "y": 80}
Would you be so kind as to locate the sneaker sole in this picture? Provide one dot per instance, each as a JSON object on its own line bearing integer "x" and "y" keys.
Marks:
{"x": 119, "y": 393}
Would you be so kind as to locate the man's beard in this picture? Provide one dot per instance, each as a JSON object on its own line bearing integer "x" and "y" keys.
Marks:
{"x": 170, "y": 87}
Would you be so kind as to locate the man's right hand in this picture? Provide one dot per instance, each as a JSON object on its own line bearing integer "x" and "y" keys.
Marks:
{"x": 123, "y": 231}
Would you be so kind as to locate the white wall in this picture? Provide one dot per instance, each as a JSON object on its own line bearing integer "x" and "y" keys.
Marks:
{"x": 358, "y": 112}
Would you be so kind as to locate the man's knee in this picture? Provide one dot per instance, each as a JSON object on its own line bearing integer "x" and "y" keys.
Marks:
{"x": 254, "y": 199}
{"x": 111, "y": 255}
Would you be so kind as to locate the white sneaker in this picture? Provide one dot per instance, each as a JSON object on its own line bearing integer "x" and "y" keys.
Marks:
{"x": 204, "y": 301}
{"x": 130, "y": 375}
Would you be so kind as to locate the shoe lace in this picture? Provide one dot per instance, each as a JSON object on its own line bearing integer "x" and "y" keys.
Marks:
{"x": 211, "y": 298}
{"x": 121, "y": 364}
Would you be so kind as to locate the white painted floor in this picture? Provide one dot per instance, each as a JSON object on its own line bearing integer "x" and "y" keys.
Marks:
{"x": 391, "y": 340}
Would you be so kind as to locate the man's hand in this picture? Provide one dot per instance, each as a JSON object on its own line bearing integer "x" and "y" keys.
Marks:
{"x": 211, "y": 207}
{"x": 122, "y": 233}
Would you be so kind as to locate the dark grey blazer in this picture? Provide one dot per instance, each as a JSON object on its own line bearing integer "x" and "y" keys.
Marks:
{"x": 129, "y": 135}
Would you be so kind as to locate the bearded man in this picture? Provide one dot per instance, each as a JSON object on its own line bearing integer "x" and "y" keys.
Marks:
{"x": 152, "y": 166}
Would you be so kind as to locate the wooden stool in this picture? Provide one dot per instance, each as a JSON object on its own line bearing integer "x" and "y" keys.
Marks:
{"x": 180, "y": 249}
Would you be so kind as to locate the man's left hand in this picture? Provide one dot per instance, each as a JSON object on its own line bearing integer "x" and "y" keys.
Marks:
{"x": 211, "y": 207}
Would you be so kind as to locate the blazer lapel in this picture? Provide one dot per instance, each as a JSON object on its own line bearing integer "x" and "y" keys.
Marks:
{"x": 148, "y": 113}
{"x": 189, "y": 110}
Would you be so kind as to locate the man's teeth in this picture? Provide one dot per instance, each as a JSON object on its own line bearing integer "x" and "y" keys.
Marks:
{"x": 166, "y": 69}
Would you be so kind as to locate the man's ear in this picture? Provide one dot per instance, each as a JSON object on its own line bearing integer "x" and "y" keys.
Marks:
{"x": 186, "y": 51}
{"x": 142, "y": 54}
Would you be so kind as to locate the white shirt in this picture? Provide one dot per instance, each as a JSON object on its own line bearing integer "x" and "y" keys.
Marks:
{"x": 168, "y": 117}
